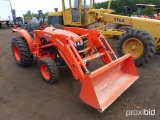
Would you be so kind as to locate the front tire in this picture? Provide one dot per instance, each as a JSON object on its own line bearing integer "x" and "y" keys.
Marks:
{"x": 49, "y": 70}
{"x": 139, "y": 43}
{"x": 21, "y": 52}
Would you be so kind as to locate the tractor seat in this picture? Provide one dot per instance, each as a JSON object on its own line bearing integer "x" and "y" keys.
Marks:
{"x": 32, "y": 25}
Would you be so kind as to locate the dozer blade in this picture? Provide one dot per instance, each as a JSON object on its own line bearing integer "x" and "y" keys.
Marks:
{"x": 104, "y": 85}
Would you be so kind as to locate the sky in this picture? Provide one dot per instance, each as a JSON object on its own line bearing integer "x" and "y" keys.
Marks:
{"x": 35, "y": 5}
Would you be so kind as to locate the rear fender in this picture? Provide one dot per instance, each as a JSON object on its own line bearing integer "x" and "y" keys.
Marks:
{"x": 27, "y": 37}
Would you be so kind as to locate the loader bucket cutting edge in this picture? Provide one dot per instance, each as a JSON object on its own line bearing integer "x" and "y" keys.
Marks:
{"x": 104, "y": 85}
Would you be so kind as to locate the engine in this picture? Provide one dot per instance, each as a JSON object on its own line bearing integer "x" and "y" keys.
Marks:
{"x": 53, "y": 50}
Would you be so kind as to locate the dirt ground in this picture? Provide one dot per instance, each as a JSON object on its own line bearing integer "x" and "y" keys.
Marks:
{"x": 25, "y": 96}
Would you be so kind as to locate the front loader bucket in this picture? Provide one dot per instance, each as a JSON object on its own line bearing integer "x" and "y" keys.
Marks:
{"x": 104, "y": 85}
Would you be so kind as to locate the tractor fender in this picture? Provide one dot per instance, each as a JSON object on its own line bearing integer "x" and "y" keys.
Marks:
{"x": 27, "y": 37}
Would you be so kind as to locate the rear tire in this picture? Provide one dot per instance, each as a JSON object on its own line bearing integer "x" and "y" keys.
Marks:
{"x": 49, "y": 70}
{"x": 139, "y": 43}
{"x": 21, "y": 52}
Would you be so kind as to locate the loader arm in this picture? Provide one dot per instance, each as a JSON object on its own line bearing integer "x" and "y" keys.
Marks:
{"x": 149, "y": 25}
{"x": 103, "y": 85}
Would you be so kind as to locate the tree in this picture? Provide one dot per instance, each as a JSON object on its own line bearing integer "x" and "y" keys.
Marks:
{"x": 118, "y": 5}
{"x": 28, "y": 15}
{"x": 28, "y": 12}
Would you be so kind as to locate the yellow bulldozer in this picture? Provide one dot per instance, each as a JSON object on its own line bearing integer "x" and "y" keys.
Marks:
{"x": 141, "y": 39}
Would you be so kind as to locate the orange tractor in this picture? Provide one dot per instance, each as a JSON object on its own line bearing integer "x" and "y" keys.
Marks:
{"x": 55, "y": 47}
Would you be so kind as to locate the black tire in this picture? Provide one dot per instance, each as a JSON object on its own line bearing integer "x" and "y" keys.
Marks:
{"x": 49, "y": 70}
{"x": 149, "y": 45}
{"x": 25, "y": 58}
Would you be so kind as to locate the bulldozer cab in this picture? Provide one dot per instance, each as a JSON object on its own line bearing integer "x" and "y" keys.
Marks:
{"x": 77, "y": 13}
{"x": 74, "y": 11}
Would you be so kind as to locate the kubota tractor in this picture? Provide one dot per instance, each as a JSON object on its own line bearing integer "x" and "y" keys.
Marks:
{"x": 55, "y": 47}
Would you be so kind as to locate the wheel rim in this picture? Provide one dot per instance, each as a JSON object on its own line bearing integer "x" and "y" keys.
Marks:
{"x": 16, "y": 53}
{"x": 44, "y": 71}
{"x": 133, "y": 46}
